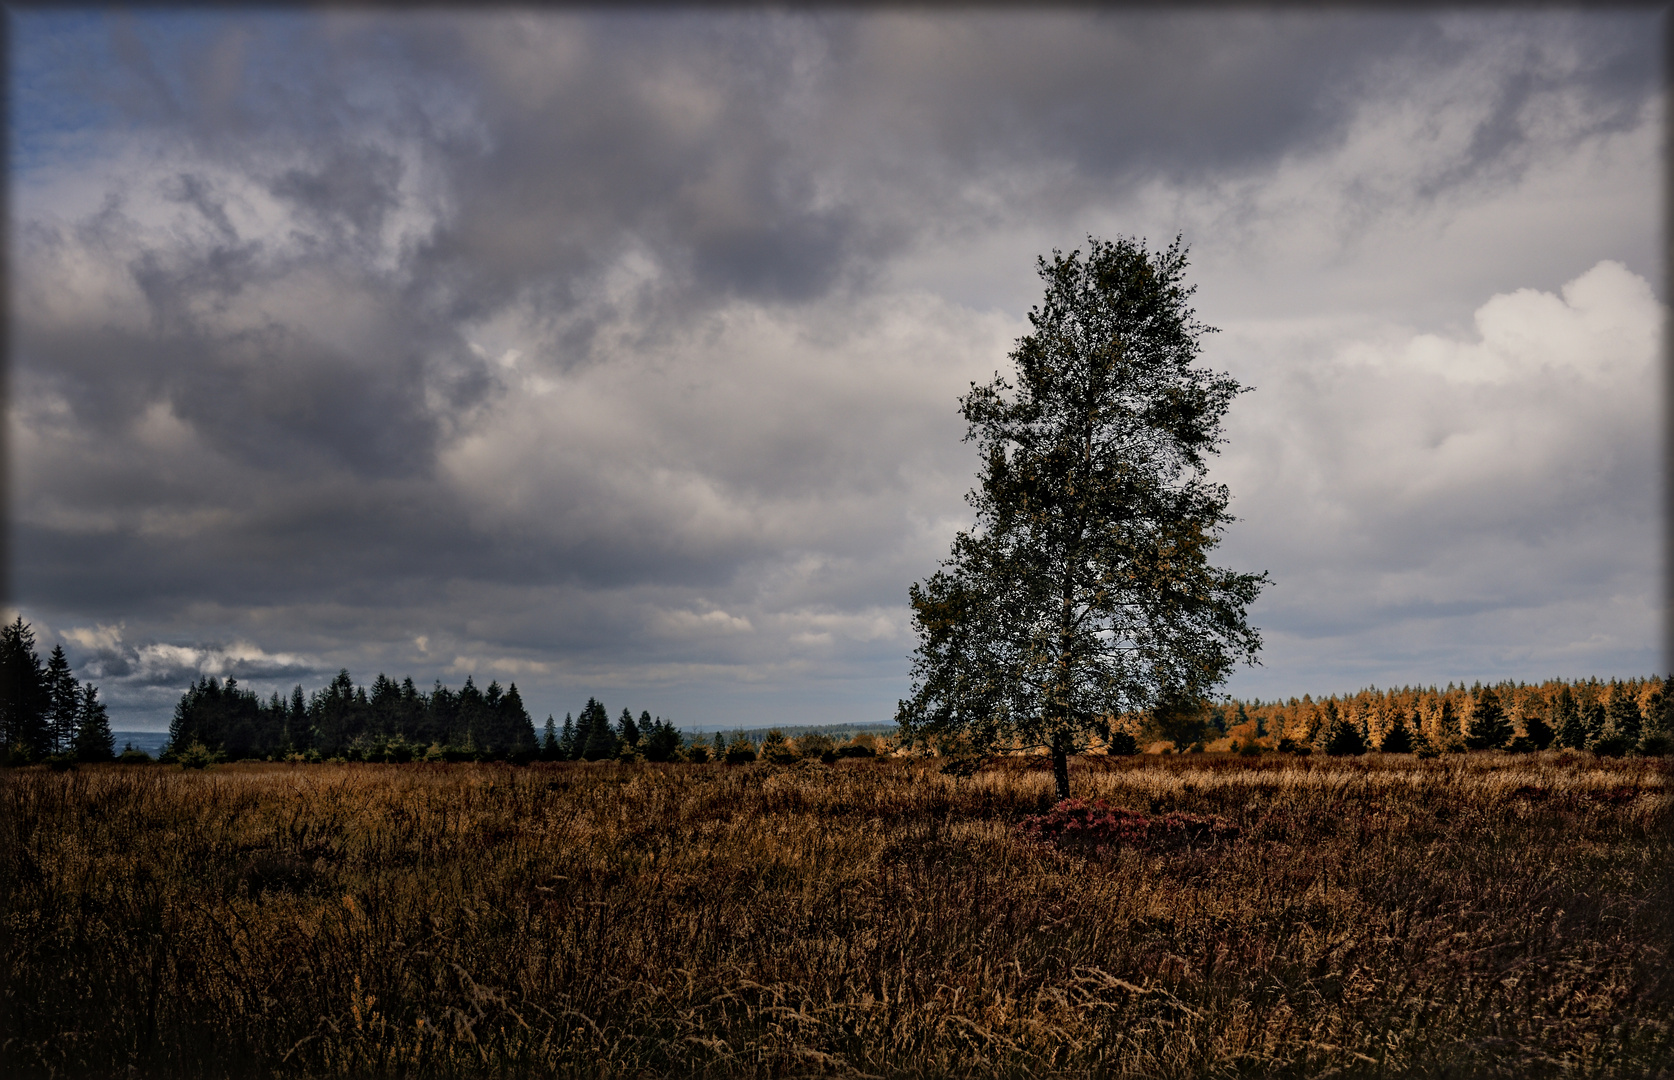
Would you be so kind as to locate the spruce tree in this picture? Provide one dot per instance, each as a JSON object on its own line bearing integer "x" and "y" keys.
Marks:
{"x": 514, "y": 728}
{"x": 663, "y": 741}
{"x": 1593, "y": 719}
{"x": 627, "y": 731}
{"x": 1447, "y": 726}
{"x": 600, "y": 741}
{"x": 567, "y": 748}
{"x": 1487, "y": 729}
{"x": 63, "y": 701}
{"x": 1342, "y": 737}
{"x": 94, "y": 741}
{"x": 1538, "y": 731}
{"x": 1564, "y": 718}
{"x": 1622, "y": 717}
{"x": 24, "y": 697}
{"x": 549, "y": 740}
{"x": 1398, "y": 739}
{"x": 299, "y": 736}
{"x": 777, "y": 749}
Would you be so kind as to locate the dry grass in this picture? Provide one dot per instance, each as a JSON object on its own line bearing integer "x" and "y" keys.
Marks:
{"x": 1480, "y": 916}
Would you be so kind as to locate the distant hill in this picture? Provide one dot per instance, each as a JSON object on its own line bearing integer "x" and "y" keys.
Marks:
{"x": 150, "y": 741}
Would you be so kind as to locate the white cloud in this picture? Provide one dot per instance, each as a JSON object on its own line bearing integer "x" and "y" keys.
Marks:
{"x": 101, "y": 637}
{"x": 1426, "y": 485}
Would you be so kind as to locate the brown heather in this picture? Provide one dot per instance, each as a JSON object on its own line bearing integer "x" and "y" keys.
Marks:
{"x": 1479, "y": 915}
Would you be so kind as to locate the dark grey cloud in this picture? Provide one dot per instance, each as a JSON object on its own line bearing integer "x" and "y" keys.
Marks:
{"x": 621, "y": 349}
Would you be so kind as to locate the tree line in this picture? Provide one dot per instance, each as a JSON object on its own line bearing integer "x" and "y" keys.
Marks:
{"x": 592, "y": 737}
{"x": 1626, "y": 716}
{"x": 390, "y": 721}
{"x": 45, "y": 711}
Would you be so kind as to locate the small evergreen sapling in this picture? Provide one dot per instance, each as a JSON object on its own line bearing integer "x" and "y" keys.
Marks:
{"x": 778, "y": 749}
{"x": 740, "y": 751}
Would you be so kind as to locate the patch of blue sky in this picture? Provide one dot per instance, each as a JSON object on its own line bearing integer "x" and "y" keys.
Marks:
{"x": 83, "y": 79}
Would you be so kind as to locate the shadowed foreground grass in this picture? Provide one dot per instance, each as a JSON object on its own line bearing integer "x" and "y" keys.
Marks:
{"x": 1480, "y": 916}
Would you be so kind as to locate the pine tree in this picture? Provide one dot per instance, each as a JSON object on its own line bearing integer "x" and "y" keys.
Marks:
{"x": 626, "y": 730}
{"x": 1487, "y": 729}
{"x": 1342, "y": 738}
{"x": 663, "y": 742}
{"x": 549, "y": 740}
{"x": 1564, "y": 718}
{"x": 777, "y": 749}
{"x": 1593, "y": 719}
{"x": 1622, "y": 717}
{"x": 63, "y": 701}
{"x": 1398, "y": 739}
{"x": 567, "y": 748}
{"x": 601, "y": 741}
{"x": 94, "y": 741}
{"x": 298, "y": 735}
{"x": 1535, "y": 728}
{"x": 1446, "y": 726}
{"x": 24, "y": 697}
{"x": 513, "y": 729}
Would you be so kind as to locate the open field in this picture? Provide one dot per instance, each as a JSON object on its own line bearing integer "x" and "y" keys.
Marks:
{"x": 1479, "y": 915}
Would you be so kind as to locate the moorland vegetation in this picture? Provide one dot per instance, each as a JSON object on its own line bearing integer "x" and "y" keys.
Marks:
{"x": 1194, "y": 915}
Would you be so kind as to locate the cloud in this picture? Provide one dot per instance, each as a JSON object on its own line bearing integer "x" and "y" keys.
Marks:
{"x": 124, "y": 667}
{"x": 1505, "y": 479}
{"x": 621, "y": 350}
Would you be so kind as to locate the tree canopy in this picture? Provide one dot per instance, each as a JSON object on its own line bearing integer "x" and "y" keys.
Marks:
{"x": 1085, "y": 590}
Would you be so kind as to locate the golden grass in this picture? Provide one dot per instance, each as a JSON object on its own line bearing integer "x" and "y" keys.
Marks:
{"x": 1471, "y": 916}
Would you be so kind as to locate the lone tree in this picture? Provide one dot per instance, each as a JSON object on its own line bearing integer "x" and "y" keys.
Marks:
{"x": 1084, "y": 591}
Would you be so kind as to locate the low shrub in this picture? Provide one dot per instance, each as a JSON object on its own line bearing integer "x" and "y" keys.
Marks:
{"x": 816, "y": 744}
{"x": 1611, "y": 745}
{"x": 777, "y": 749}
{"x": 1656, "y": 744}
{"x": 1097, "y": 829}
{"x": 197, "y": 756}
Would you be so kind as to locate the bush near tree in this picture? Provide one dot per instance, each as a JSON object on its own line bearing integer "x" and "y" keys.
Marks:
{"x": 740, "y": 751}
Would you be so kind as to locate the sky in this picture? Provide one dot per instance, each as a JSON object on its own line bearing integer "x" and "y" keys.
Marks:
{"x": 618, "y": 353}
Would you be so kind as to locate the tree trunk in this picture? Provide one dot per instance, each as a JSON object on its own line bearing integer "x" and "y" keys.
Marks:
{"x": 1060, "y": 767}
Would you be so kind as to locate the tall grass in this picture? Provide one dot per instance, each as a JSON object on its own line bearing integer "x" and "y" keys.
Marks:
{"x": 1471, "y": 916}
